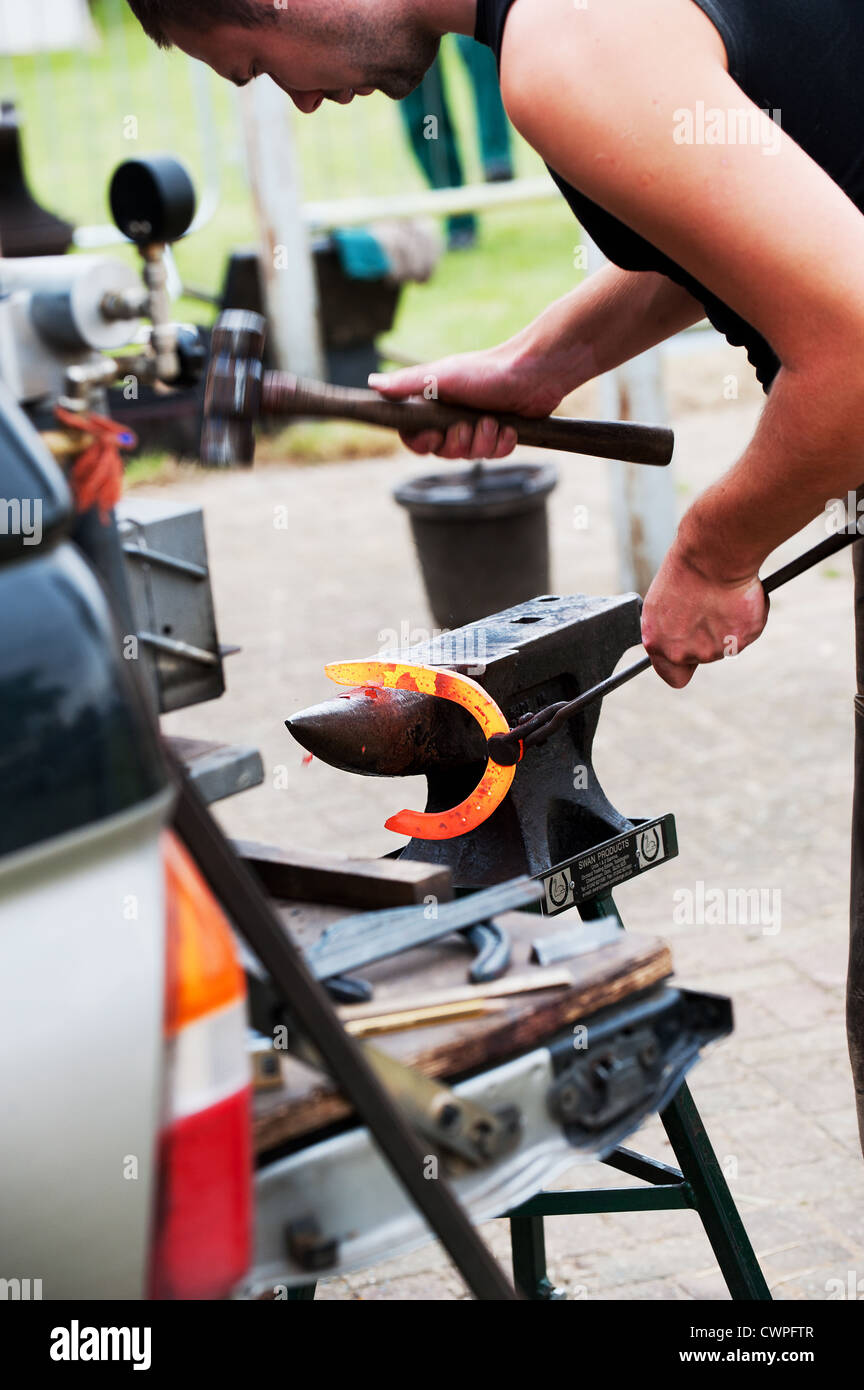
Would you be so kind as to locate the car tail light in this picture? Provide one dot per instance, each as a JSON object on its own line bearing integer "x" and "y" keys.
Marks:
{"x": 202, "y": 1241}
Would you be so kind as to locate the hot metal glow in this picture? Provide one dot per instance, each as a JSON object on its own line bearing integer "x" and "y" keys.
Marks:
{"x": 462, "y": 690}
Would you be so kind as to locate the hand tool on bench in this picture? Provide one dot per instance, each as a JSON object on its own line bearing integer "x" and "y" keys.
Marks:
{"x": 575, "y": 941}
{"x": 489, "y": 941}
{"x": 506, "y": 746}
{"x": 352, "y": 942}
{"x": 238, "y": 390}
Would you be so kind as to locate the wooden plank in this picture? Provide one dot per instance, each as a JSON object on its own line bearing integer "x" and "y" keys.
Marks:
{"x": 547, "y": 978}
{"x": 218, "y": 769}
{"x": 424, "y": 1016}
{"x": 307, "y": 1102}
{"x": 315, "y": 876}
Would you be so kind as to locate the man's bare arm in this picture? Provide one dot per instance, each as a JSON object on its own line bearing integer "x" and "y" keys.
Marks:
{"x": 612, "y": 316}
{"x": 770, "y": 234}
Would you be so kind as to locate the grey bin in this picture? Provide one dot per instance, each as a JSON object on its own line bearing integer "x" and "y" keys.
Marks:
{"x": 482, "y": 537}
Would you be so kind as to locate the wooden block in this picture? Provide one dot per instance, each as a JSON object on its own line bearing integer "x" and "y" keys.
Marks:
{"x": 365, "y": 884}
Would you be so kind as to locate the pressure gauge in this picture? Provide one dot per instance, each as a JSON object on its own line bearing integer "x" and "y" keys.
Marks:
{"x": 152, "y": 199}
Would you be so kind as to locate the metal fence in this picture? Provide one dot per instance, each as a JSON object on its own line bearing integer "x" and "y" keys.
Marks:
{"x": 91, "y": 91}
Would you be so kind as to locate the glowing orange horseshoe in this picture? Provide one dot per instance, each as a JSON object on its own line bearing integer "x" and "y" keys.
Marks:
{"x": 427, "y": 680}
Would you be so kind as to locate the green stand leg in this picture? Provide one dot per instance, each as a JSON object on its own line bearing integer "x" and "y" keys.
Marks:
{"x": 712, "y": 1198}
{"x": 699, "y": 1186}
{"x": 528, "y": 1244}
{"x": 302, "y": 1293}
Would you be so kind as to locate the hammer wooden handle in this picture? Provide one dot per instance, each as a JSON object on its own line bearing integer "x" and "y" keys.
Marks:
{"x": 283, "y": 394}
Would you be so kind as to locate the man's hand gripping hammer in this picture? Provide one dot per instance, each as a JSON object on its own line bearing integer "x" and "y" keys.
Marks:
{"x": 239, "y": 391}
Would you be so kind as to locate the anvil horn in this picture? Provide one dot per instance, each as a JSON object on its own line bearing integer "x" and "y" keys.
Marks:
{"x": 389, "y": 733}
{"x": 495, "y": 783}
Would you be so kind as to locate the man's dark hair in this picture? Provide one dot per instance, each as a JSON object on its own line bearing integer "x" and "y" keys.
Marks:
{"x": 154, "y": 15}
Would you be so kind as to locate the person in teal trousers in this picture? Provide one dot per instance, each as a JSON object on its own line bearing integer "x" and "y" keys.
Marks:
{"x": 435, "y": 141}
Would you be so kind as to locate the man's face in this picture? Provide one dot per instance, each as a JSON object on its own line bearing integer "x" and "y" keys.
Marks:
{"x": 335, "y": 51}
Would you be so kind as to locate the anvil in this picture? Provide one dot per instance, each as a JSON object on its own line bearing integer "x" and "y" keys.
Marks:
{"x": 550, "y": 648}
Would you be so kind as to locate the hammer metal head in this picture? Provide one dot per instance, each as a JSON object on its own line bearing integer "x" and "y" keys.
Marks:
{"x": 232, "y": 392}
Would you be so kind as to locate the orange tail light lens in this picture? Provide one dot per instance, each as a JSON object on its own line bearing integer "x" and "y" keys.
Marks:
{"x": 203, "y": 972}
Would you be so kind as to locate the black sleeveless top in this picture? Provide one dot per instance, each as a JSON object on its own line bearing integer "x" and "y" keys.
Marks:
{"x": 801, "y": 57}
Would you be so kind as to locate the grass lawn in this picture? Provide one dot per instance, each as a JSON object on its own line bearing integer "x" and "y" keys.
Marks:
{"x": 84, "y": 113}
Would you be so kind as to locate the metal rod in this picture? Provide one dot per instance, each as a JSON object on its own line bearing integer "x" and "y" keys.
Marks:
{"x": 253, "y": 916}
{"x": 811, "y": 557}
{"x": 508, "y": 748}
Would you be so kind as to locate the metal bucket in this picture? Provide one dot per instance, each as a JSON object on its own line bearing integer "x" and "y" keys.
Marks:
{"x": 482, "y": 537}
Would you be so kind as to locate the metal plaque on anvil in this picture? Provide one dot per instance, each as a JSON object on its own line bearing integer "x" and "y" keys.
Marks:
{"x": 597, "y": 871}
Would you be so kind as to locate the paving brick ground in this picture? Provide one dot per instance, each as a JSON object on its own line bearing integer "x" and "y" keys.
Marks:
{"x": 754, "y": 758}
